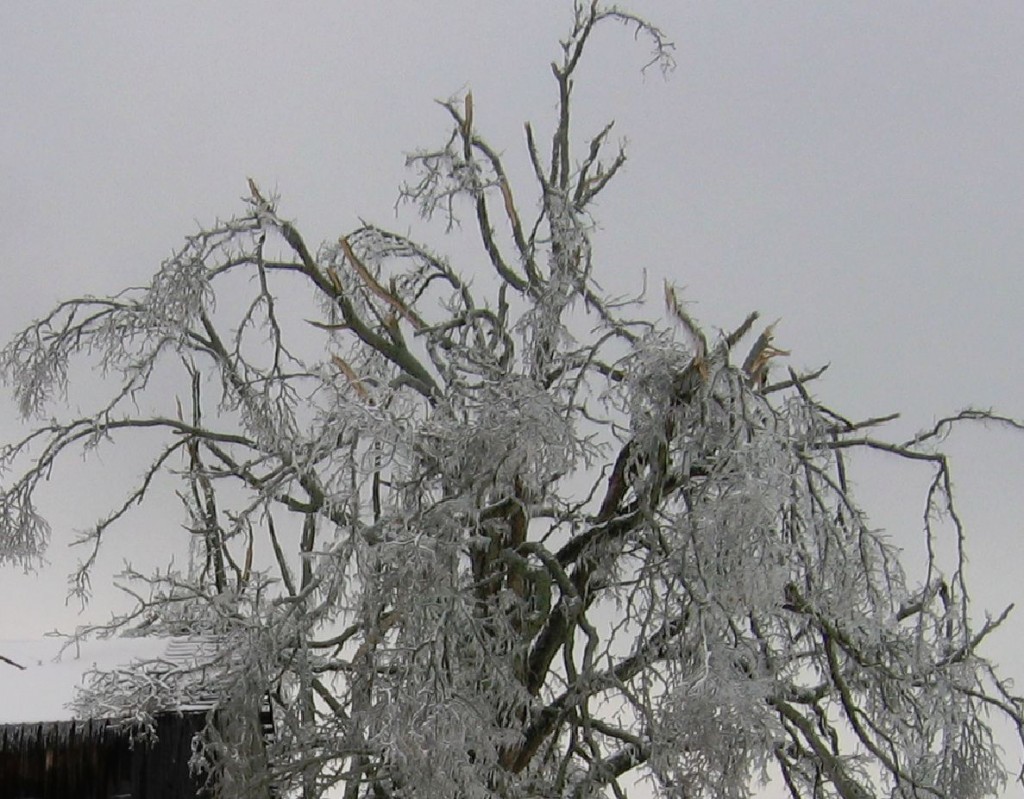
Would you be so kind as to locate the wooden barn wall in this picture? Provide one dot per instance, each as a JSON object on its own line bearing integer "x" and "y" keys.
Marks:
{"x": 96, "y": 760}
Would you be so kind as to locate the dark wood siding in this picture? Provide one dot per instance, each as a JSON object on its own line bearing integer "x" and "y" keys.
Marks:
{"x": 95, "y": 759}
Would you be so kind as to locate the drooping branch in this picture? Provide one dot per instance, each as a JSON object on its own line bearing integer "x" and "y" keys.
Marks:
{"x": 468, "y": 549}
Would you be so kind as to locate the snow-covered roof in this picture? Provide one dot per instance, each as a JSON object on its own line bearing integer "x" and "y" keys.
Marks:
{"x": 39, "y": 679}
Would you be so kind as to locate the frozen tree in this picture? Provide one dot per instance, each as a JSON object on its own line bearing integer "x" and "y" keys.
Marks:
{"x": 500, "y": 534}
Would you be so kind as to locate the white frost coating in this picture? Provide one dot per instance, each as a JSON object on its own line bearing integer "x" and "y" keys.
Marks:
{"x": 45, "y": 688}
{"x": 499, "y": 534}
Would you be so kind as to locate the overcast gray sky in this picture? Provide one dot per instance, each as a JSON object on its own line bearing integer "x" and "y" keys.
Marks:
{"x": 855, "y": 169}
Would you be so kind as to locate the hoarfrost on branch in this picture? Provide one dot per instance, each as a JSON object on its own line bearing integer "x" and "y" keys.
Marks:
{"x": 505, "y": 536}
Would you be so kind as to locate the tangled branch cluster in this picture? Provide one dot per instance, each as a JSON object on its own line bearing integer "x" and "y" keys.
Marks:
{"x": 498, "y": 538}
